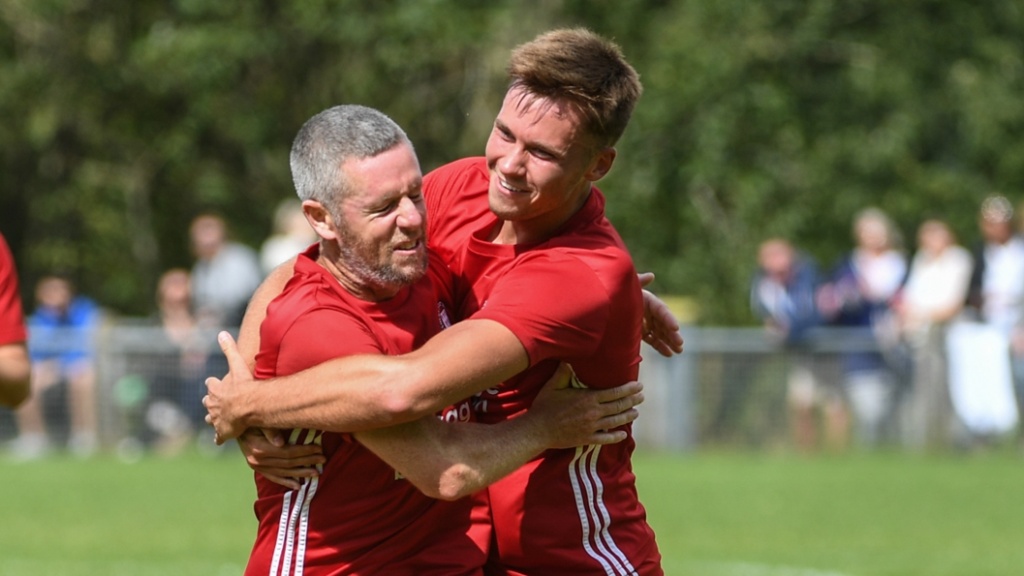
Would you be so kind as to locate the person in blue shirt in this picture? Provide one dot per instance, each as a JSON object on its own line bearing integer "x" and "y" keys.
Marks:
{"x": 61, "y": 348}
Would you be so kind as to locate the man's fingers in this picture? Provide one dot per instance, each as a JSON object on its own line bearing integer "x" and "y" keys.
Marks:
{"x": 622, "y": 405}
{"x": 287, "y": 482}
{"x": 608, "y": 437}
{"x": 294, "y": 473}
{"x": 666, "y": 345}
{"x": 273, "y": 436}
{"x": 619, "y": 392}
{"x": 661, "y": 348}
{"x": 660, "y": 326}
{"x": 674, "y": 340}
{"x": 645, "y": 278}
{"x": 230, "y": 349}
{"x": 304, "y": 467}
{"x": 630, "y": 401}
{"x": 606, "y": 429}
{"x": 618, "y": 419}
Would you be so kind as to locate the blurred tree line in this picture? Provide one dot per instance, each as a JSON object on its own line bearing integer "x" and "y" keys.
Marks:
{"x": 122, "y": 120}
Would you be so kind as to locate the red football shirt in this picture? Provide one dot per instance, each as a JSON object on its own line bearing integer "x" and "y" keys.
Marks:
{"x": 576, "y": 298}
{"x": 358, "y": 517}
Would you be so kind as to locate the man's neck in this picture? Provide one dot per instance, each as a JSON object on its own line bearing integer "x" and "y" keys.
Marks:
{"x": 533, "y": 231}
{"x": 353, "y": 285}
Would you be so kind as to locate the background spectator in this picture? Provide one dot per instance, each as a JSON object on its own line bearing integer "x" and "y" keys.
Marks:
{"x": 162, "y": 395}
{"x": 858, "y": 295}
{"x": 982, "y": 380}
{"x": 783, "y": 296}
{"x": 932, "y": 296}
{"x": 292, "y": 234}
{"x": 62, "y": 331}
{"x": 996, "y": 290}
{"x": 224, "y": 275}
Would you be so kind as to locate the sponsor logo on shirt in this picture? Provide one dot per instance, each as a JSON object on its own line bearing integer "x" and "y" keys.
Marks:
{"x": 442, "y": 316}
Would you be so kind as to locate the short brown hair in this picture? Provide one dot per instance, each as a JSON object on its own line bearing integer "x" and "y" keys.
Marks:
{"x": 588, "y": 71}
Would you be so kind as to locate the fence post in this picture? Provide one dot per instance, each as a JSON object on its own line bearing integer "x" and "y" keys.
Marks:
{"x": 668, "y": 416}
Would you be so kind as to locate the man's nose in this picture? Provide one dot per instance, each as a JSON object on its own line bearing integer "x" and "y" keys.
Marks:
{"x": 409, "y": 214}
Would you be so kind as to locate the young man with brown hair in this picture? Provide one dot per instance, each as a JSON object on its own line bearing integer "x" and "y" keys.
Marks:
{"x": 540, "y": 276}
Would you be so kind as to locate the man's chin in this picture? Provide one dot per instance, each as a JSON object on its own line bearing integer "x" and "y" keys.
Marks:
{"x": 504, "y": 210}
{"x": 407, "y": 275}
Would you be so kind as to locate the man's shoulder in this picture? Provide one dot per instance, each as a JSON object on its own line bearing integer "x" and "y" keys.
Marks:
{"x": 306, "y": 292}
{"x": 591, "y": 239}
{"x": 582, "y": 265}
{"x": 311, "y": 310}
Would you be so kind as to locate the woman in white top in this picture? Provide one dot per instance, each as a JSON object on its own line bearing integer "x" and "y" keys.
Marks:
{"x": 933, "y": 295}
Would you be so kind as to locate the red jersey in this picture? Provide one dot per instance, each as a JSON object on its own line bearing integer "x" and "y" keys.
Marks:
{"x": 12, "y": 319}
{"x": 359, "y": 516}
{"x": 575, "y": 298}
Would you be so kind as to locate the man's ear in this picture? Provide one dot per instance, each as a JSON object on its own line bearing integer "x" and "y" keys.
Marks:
{"x": 320, "y": 219}
{"x": 601, "y": 164}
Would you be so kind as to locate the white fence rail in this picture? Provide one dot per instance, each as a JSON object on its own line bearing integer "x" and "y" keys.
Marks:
{"x": 727, "y": 388}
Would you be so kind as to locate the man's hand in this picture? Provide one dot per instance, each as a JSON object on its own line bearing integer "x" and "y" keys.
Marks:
{"x": 286, "y": 464}
{"x": 224, "y": 396}
{"x": 660, "y": 326}
{"x": 576, "y": 417}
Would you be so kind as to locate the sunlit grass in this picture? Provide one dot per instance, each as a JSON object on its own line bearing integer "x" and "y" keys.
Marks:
{"x": 739, "y": 514}
{"x": 877, "y": 514}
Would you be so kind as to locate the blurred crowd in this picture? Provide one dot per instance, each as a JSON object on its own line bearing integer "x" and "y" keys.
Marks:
{"x": 160, "y": 396}
{"x": 946, "y": 364}
{"x": 945, "y": 368}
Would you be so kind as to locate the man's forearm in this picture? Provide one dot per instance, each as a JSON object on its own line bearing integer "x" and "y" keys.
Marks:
{"x": 453, "y": 460}
{"x": 372, "y": 391}
{"x": 342, "y": 395}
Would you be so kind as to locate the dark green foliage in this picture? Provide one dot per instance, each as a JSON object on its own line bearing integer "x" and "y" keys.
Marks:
{"x": 120, "y": 121}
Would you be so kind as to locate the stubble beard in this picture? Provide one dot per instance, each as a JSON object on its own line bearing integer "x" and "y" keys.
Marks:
{"x": 353, "y": 253}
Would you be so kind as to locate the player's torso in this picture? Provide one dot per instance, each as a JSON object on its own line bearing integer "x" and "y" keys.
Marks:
{"x": 486, "y": 274}
{"x": 577, "y": 506}
{"x": 358, "y": 516}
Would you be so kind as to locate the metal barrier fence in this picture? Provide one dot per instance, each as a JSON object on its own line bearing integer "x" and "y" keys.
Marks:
{"x": 728, "y": 388}
{"x": 148, "y": 385}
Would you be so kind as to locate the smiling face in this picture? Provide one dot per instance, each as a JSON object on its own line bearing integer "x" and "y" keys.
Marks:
{"x": 378, "y": 245}
{"x": 541, "y": 166}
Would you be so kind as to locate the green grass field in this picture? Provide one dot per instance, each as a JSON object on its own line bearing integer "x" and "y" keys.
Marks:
{"x": 714, "y": 514}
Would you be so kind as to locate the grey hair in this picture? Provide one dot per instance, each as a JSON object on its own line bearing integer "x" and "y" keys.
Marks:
{"x": 996, "y": 209}
{"x": 330, "y": 138}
